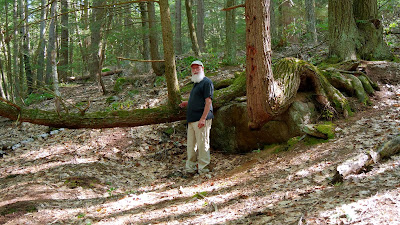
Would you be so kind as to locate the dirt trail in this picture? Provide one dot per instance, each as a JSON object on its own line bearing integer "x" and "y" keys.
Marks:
{"x": 132, "y": 176}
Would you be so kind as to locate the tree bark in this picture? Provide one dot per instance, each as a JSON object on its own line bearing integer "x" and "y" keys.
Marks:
{"x": 230, "y": 33}
{"x": 178, "y": 26}
{"x": 371, "y": 30}
{"x": 343, "y": 33}
{"x": 258, "y": 62}
{"x": 51, "y": 43}
{"x": 174, "y": 96}
{"x": 310, "y": 15}
{"x": 158, "y": 67}
{"x": 40, "y": 62}
{"x": 64, "y": 51}
{"x": 145, "y": 36}
{"x": 200, "y": 25}
{"x": 287, "y": 23}
{"x": 192, "y": 31}
{"x": 16, "y": 47}
{"x": 96, "y": 26}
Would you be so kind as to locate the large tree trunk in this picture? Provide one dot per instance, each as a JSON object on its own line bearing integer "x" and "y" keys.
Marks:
{"x": 343, "y": 33}
{"x": 258, "y": 62}
{"x": 371, "y": 30}
{"x": 355, "y": 30}
{"x": 145, "y": 36}
{"x": 310, "y": 15}
{"x": 192, "y": 31}
{"x": 174, "y": 96}
{"x": 158, "y": 67}
{"x": 178, "y": 26}
{"x": 200, "y": 25}
{"x": 230, "y": 33}
{"x": 63, "y": 66}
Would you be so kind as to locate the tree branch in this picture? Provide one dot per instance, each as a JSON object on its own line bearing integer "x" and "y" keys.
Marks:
{"x": 233, "y": 7}
{"x": 142, "y": 60}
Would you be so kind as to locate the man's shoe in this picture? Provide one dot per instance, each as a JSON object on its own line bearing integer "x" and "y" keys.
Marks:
{"x": 187, "y": 175}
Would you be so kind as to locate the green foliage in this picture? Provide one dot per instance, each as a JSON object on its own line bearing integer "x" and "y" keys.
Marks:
{"x": 200, "y": 195}
{"x": 119, "y": 84}
{"x": 169, "y": 130}
{"x": 111, "y": 190}
{"x": 105, "y": 69}
{"x": 132, "y": 93}
{"x": 160, "y": 80}
{"x": 125, "y": 105}
{"x": 81, "y": 215}
{"x": 37, "y": 97}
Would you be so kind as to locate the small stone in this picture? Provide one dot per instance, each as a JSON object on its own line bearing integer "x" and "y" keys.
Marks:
{"x": 53, "y": 132}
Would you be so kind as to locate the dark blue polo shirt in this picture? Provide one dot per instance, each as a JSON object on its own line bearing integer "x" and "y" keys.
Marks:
{"x": 197, "y": 100}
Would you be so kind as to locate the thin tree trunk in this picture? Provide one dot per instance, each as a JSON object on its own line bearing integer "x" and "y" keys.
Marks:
{"x": 16, "y": 82}
{"x": 230, "y": 33}
{"x": 200, "y": 25}
{"x": 3, "y": 83}
{"x": 158, "y": 67}
{"x": 174, "y": 96}
{"x": 27, "y": 58}
{"x": 178, "y": 26}
{"x": 343, "y": 34}
{"x": 7, "y": 56}
{"x": 192, "y": 31}
{"x": 145, "y": 36}
{"x": 64, "y": 51}
{"x": 42, "y": 43}
{"x": 287, "y": 20}
{"x": 310, "y": 15}
{"x": 51, "y": 43}
{"x": 96, "y": 25}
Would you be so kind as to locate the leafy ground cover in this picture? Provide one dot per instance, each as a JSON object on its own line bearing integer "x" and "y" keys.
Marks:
{"x": 133, "y": 175}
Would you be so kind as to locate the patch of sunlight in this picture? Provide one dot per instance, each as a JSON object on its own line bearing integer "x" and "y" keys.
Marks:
{"x": 382, "y": 208}
{"x": 151, "y": 103}
{"x": 45, "y": 166}
{"x": 130, "y": 208}
{"x": 313, "y": 169}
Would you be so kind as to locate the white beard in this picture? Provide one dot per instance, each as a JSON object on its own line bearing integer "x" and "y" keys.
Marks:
{"x": 198, "y": 77}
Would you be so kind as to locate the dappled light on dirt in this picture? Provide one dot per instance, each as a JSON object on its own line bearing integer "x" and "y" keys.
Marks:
{"x": 134, "y": 176}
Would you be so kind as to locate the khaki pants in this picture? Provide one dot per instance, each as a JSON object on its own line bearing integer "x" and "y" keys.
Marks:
{"x": 198, "y": 147}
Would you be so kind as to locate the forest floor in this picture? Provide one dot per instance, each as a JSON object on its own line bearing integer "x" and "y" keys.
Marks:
{"x": 133, "y": 175}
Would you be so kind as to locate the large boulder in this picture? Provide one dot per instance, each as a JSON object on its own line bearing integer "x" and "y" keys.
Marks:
{"x": 230, "y": 133}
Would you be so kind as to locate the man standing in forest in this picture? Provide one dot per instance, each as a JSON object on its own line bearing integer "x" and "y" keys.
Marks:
{"x": 199, "y": 117}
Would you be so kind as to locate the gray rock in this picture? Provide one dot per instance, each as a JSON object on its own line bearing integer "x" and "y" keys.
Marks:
{"x": 230, "y": 134}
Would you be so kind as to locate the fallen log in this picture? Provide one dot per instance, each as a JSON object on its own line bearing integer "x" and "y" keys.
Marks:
{"x": 104, "y": 74}
{"x": 363, "y": 161}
